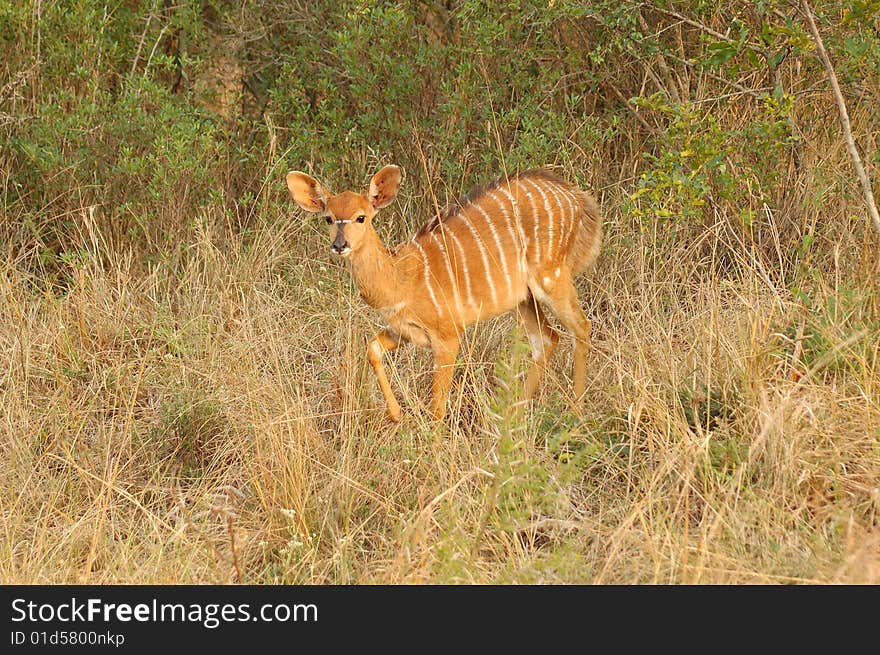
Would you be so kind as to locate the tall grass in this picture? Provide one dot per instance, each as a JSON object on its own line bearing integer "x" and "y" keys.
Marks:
{"x": 188, "y": 399}
{"x": 215, "y": 421}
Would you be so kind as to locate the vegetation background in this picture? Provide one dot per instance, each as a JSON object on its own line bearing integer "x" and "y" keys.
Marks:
{"x": 184, "y": 395}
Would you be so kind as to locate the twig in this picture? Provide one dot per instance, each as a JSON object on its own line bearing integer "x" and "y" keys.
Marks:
{"x": 708, "y": 30}
{"x": 630, "y": 108}
{"x": 155, "y": 45}
{"x": 844, "y": 117}
{"x": 671, "y": 84}
{"x": 137, "y": 54}
{"x": 756, "y": 93}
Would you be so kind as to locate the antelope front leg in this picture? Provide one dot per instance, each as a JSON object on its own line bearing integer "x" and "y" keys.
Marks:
{"x": 384, "y": 342}
{"x": 445, "y": 352}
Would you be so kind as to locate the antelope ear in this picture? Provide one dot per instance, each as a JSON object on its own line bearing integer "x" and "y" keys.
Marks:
{"x": 384, "y": 186}
{"x": 306, "y": 191}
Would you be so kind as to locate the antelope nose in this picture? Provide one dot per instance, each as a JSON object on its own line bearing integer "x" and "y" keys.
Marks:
{"x": 340, "y": 245}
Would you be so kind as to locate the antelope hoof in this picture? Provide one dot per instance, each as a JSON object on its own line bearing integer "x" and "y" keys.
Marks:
{"x": 393, "y": 413}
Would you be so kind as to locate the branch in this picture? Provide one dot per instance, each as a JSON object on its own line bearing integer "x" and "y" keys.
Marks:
{"x": 708, "y": 30}
{"x": 630, "y": 108}
{"x": 844, "y": 117}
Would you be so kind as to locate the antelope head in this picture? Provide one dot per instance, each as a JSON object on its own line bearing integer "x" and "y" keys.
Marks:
{"x": 349, "y": 215}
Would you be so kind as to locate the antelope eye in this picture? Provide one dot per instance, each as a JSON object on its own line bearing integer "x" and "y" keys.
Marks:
{"x": 329, "y": 220}
{"x": 361, "y": 219}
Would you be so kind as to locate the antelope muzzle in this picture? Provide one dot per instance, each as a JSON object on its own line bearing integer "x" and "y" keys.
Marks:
{"x": 340, "y": 243}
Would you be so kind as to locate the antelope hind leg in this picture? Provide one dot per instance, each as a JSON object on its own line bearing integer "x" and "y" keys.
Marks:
{"x": 542, "y": 339}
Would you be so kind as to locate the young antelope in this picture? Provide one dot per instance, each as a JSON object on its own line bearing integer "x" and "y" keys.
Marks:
{"x": 517, "y": 243}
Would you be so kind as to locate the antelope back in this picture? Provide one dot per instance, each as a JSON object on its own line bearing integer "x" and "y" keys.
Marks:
{"x": 487, "y": 251}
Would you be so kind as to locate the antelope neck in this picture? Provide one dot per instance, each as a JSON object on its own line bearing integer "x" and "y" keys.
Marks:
{"x": 374, "y": 272}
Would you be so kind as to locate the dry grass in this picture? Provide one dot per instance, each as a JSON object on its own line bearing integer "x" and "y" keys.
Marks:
{"x": 212, "y": 419}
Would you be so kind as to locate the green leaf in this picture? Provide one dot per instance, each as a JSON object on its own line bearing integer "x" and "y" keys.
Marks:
{"x": 720, "y": 52}
{"x": 777, "y": 58}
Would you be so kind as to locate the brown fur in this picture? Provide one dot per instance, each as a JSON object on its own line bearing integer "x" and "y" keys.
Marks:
{"x": 478, "y": 192}
{"x": 507, "y": 245}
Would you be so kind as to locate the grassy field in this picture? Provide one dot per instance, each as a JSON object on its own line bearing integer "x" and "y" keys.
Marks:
{"x": 205, "y": 413}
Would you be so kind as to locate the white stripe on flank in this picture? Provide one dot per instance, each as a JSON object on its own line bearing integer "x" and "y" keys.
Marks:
{"x": 552, "y": 188}
{"x": 572, "y": 205}
{"x": 427, "y": 273}
{"x": 566, "y": 218}
{"x": 482, "y": 248}
{"x": 550, "y": 217}
{"x": 522, "y": 233}
{"x": 444, "y": 253}
{"x": 464, "y": 267}
{"x": 534, "y": 207}
{"x": 514, "y": 238}
{"x": 501, "y": 254}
